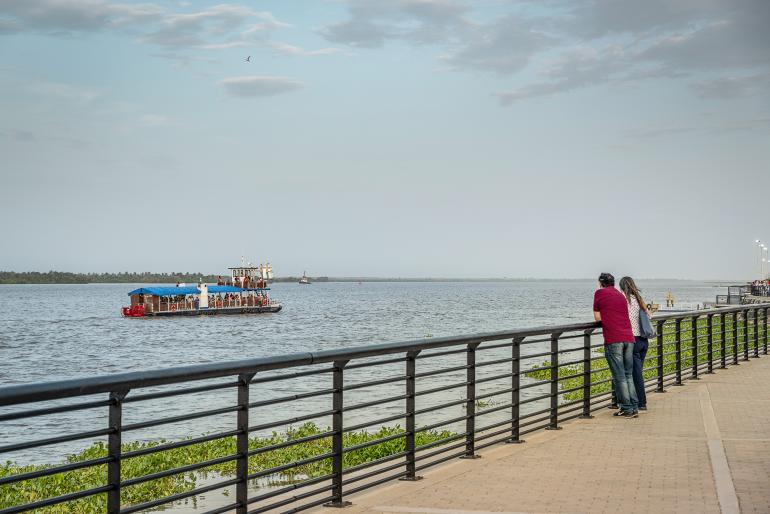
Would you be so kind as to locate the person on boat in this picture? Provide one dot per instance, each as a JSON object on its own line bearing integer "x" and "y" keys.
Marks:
{"x": 611, "y": 309}
{"x": 220, "y": 281}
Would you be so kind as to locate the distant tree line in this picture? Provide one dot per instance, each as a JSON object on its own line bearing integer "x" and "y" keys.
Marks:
{"x": 63, "y": 277}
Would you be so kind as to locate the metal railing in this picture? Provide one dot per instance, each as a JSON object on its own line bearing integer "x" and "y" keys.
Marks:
{"x": 539, "y": 377}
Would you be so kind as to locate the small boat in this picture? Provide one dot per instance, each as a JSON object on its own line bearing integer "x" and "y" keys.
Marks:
{"x": 304, "y": 279}
{"x": 245, "y": 293}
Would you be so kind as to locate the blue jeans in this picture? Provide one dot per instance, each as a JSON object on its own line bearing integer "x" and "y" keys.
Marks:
{"x": 640, "y": 352}
{"x": 620, "y": 357}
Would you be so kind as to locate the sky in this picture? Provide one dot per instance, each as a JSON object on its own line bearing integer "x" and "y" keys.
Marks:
{"x": 395, "y": 138}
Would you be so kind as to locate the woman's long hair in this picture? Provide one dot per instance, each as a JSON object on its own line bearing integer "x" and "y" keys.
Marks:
{"x": 628, "y": 286}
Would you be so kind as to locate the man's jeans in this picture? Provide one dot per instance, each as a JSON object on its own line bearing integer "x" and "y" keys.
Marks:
{"x": 620, "y": 357}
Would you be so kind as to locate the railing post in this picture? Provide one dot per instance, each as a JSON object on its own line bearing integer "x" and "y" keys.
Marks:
{"x": 470, "y": 404}
{"x": 411, "y": 391}
{"x": 660, "y": 389}
{"x": 710, "y": 342}
{"x": 694, "y": 347}
{"x": 735, "y": 339}
{"x": 337, "y": 436}
{"x": 746, "y": 334}
{"x": 764, "y": 338}
{"x": 242, "y": 443}
{"x": 678, "y": 342}
{"x": 554, "y": 421}
{"x": 587, "y": 374}
{"x": 515, "y": 386}
{"x": 114, "y": 441}
{"x": 723, "y": 340}
{"x": 756, "y": 333}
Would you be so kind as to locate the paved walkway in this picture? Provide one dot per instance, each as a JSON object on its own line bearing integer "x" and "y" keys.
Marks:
{"x": 704, "y": 447}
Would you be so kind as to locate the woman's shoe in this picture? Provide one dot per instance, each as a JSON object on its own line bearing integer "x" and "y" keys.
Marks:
{"x": 613, "y": 406}
{"x": 642, "y": 407}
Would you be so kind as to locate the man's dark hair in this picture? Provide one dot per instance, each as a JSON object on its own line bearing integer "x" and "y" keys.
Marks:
{"x": 606, "y": 279}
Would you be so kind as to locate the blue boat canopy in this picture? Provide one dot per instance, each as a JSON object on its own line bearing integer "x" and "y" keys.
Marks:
{"x": 175, "y": 291}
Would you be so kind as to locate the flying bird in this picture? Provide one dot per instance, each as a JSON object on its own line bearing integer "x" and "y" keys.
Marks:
{"x": 248, "y": 59}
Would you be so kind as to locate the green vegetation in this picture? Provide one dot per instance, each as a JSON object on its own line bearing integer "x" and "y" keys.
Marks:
{"x": 62, "y": 277}
{"x": 78, "y": 480}
{"x": 669, "y": 361}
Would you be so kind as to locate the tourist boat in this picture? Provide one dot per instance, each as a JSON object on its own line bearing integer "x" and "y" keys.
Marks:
{"x": 246, "y": 292}
{"x": 304, "y": 279}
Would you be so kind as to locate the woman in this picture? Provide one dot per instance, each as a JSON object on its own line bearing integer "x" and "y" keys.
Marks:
{"x": 635, "y": 304}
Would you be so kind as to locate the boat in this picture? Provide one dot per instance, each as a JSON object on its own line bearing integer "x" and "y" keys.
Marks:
{"x": 246, "y": 292}
{"x": 304, "y": 279}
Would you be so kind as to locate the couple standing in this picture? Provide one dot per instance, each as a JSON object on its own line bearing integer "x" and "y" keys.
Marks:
{"x": 625, "y": 341}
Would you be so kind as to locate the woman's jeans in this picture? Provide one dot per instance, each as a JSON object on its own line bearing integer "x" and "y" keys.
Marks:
{"x": 640, "y": 352}
{"x": 620, "y": 357}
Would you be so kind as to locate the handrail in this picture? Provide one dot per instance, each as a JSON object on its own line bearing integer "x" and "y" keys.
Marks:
{"x": 25, "y": 393}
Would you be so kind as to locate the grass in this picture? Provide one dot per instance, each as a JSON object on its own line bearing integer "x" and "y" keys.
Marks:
{"x": 63, "y": 483}
{"x": 669, "y": 361}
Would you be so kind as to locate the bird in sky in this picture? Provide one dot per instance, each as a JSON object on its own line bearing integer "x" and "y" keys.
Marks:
{"x": 248, "y": 59}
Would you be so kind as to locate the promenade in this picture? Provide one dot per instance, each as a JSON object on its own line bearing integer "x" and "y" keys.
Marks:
{"x": 703, "y": 447}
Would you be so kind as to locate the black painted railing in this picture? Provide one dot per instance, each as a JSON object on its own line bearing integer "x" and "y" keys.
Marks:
{"x": 495, "y": 387}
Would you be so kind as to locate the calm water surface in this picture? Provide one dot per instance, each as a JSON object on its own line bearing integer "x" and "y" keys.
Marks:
{"x": 54, "y": 332}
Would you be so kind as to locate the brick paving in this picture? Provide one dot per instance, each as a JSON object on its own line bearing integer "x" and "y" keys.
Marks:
{"x": 658, "y": 463}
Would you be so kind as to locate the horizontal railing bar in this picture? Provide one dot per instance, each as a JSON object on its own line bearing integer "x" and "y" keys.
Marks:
{"x": 178, "y": 444}
{"x": 382, "y": 381}
{"x": 292, "y": 499}
{"x": 359, "y": 426}
{"x": 494, "y": 409}
{"x": 284, "y": 467}
{"x": 440, "y": 406}
{"x": 441, "y": 388}
{"x": 535, "y": 413}
{"x": 375, "y": 462}
{"x": 376, "y": 483}
{"x": 293, "y": 397}
{"x": 507, "y": 422}
{"x": 291, "y": 442}
{"x": 56, "y": 440}
{"x": 506, "y": 360}
{"x": 374, "y": 363}
{"x": 55, "y": 500}
{"x": 495, "y": 393}
{"x": 288, "y": 376}
{"x": 53, "y": 410}
{"x": 222, "y": 510}
{"x": 439, "y": 442}
{"x": 441, "y": 423}
{"x": 378, "y": 471}
{"x": 536, "y": 398}
{"x": 373, "y": 403}
{"x": 178, "y": 496}
{"x": 176, "y": 471}
{"x": 310, "y": 505}
{"x": 441, "y": 450}
{"x": 177, "y": 392}
{"x": 374, "y": 442}
{"x": 10, "y": 479}
{"x": 533, "y": 384}
{"x": 496, "y": 377}
{"x": 441, "y": 354}
{"x": 440, "y": 371}
{"x": 441, "y": 460}
{"x": 289, "y": 488}
{"x": 290, "y": 421}
{"x": 177, "y": 419}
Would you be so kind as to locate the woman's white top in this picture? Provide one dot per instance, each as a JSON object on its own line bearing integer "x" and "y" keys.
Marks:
{"x": 633, "y": 315}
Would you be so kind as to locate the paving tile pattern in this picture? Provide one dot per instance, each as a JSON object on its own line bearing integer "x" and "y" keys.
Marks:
{"x": 658, "y": 463}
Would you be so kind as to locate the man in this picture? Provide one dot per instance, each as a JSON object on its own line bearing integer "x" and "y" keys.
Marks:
{"x": 611, "y": 308}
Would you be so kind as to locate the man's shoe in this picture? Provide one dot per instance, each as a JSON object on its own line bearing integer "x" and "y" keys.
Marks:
{"x": 632, "y": 414}
{"x": 613, "y": 406}
{"x": 619, "y": 413}
{"x": 642, "y": 407}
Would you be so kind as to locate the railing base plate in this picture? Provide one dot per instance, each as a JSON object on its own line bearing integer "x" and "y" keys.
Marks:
{"x": 553, "y": 428}
{"x": 474, "y": 456}
{"x": 411, "y": 479}
{"x": 338, "y": 505}
{"x": 586, "y": 416}
{"x": 515, "y": 441}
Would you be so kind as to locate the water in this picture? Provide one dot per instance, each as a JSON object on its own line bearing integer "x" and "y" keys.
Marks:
{"x": 54, "y": 332}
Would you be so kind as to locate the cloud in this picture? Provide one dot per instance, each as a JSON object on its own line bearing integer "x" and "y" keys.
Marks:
{"x": 67, "y": 16}
{"x": 64, "y": 91}
{"x": 288, "y": 49}
{"x": 733, "y": 86}
{"x": 372, "y": 22}
{"x": 258, "y": 86}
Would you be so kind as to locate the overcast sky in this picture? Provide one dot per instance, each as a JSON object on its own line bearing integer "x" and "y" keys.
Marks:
{"x": 386, "y": 138}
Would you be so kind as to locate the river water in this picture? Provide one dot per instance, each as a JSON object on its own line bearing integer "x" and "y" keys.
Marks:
{"x": 55, "y": 332}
